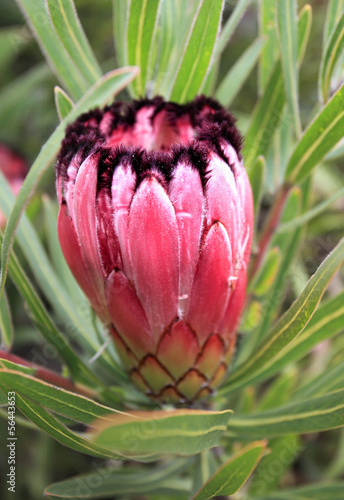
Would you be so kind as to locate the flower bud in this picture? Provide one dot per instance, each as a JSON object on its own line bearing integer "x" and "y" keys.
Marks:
{"x": 156, "y": 223}
{"x": 14, "y": 168}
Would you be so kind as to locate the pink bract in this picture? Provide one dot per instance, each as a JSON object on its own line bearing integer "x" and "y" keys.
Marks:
{"x": 156, "y": 224}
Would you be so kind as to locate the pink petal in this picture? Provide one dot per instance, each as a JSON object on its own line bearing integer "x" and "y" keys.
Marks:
{"x": 153, "y": 244}
{"x": 211, "y": 289}
{"x": 222, "y": 199}
{"x": 122, "y": 192}
{"x": 107, "y": 239}
{"x": 127, "y": 314}
{"x": 85, "y": 220}
{"x": 186, "y": 194}
{"x": 72, "y": 252}
{"x": 69, "y": 185}
{"x": 247, "y": 217}
{"x": 234, "y": 308}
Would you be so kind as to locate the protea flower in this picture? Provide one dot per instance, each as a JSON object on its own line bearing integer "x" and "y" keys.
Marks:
{"x": 156, "y": 222}
{"x": 14, "y": 168}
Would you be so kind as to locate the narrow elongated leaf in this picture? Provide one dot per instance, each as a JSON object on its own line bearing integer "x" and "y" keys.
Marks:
{"x": 120, "y": 10}
{"x": 65, "y": 20}
{"x": 318, "y": 139}
{"x": 230, "y": 25}
{"x": 37, "y": 17}
{"x": 329, "y": 380}
{"x": 267, "y": 275}
{"x": 257, "y": 178}
{"x": 52, "y": 426}
{"x": 6, "y": 326}
{"x": 99, "y": 94}
{"x": 141, "y": 26}
{"x": 317, "y": 491}
{"x": 267, "y": 28}
{"x": 271, "y": 469}
{"x": 58, "y": 400}
{"x": 183, "y": 432}
{"x": 14, "y": 103}
{"x": 231, "y": 476}
{"x": 333, "y": 51}
{"x": 279, "y": 392}
{"x": 289, "y": 326}
{"x": 311, "y": 415}
{"x": 63, "y": 102}
{"x": 268, "y": 112}
{"x": 286, "y": 243}
{"x": 110, "y": 481}
{"x": 334, "y": 11}
{"x": 326, "y": 322}
{"x": 237, "y": 75}
{"x": 288, "y": 31}
{"x": 310, "y": 214}
{"x": 11, "y": 42}
{"x": 198, "y": 51}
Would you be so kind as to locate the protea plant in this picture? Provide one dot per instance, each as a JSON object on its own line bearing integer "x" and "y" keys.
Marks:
{"x": 200, "y": 254}
{"x": 156, "y": 222}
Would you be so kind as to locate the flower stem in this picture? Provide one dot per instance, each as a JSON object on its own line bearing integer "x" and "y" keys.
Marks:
{"x": 269, "y": 228}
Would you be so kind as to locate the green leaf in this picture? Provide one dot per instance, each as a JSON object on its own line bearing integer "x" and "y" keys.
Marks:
{"x": 100, "y": 93}
{"x": 54, "y": 428}
{"x": 12, "y": 41}
{"x": 288, "y": 32}
{"x": 109, "y": 481}
{"x": 230, "y": 26}
{"x": 273, "y": 466}
{"x": 268, "y": 29}
{"x": 119, "y": 27}
{"x": 257, "y": 178}
{"x": 63, "y": 102}
{"x": 205, "y": 466}
{"x": 198, "y": 51}
{"x": 237, "y": 75}
{"x": 141, "y": 25}
{"x": 311, "y": 415}
{"x": 14, "y": 102}
{"x": 267, "y": 275}
{"x": 333, "y": 51}
{"x": 6, "y": 326}
{"x": 279, "y": 391}
{"x": 288, "y": 327}
{"x": 65, "y": 20}
{"x": 317, "y": 491}
{"x": 326, "y": 322}
{"x": 231, "y": 476}
{"x": 37, "y": 17}
{"x": 183, "y": 432}
{"x": 268, "y": 112}
{"x": 56, "y": 399}
{"x": 328, "y": 380}
{"x": 269, "y": 307}
{"x": 334, "y": 11}
{"x": 310, "y": 214}
{"x": 318, "y": 139}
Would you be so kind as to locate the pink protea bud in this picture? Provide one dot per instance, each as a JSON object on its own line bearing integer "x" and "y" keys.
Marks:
{"x": 156, "y": 223}
{"x": 14, "y": 168}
